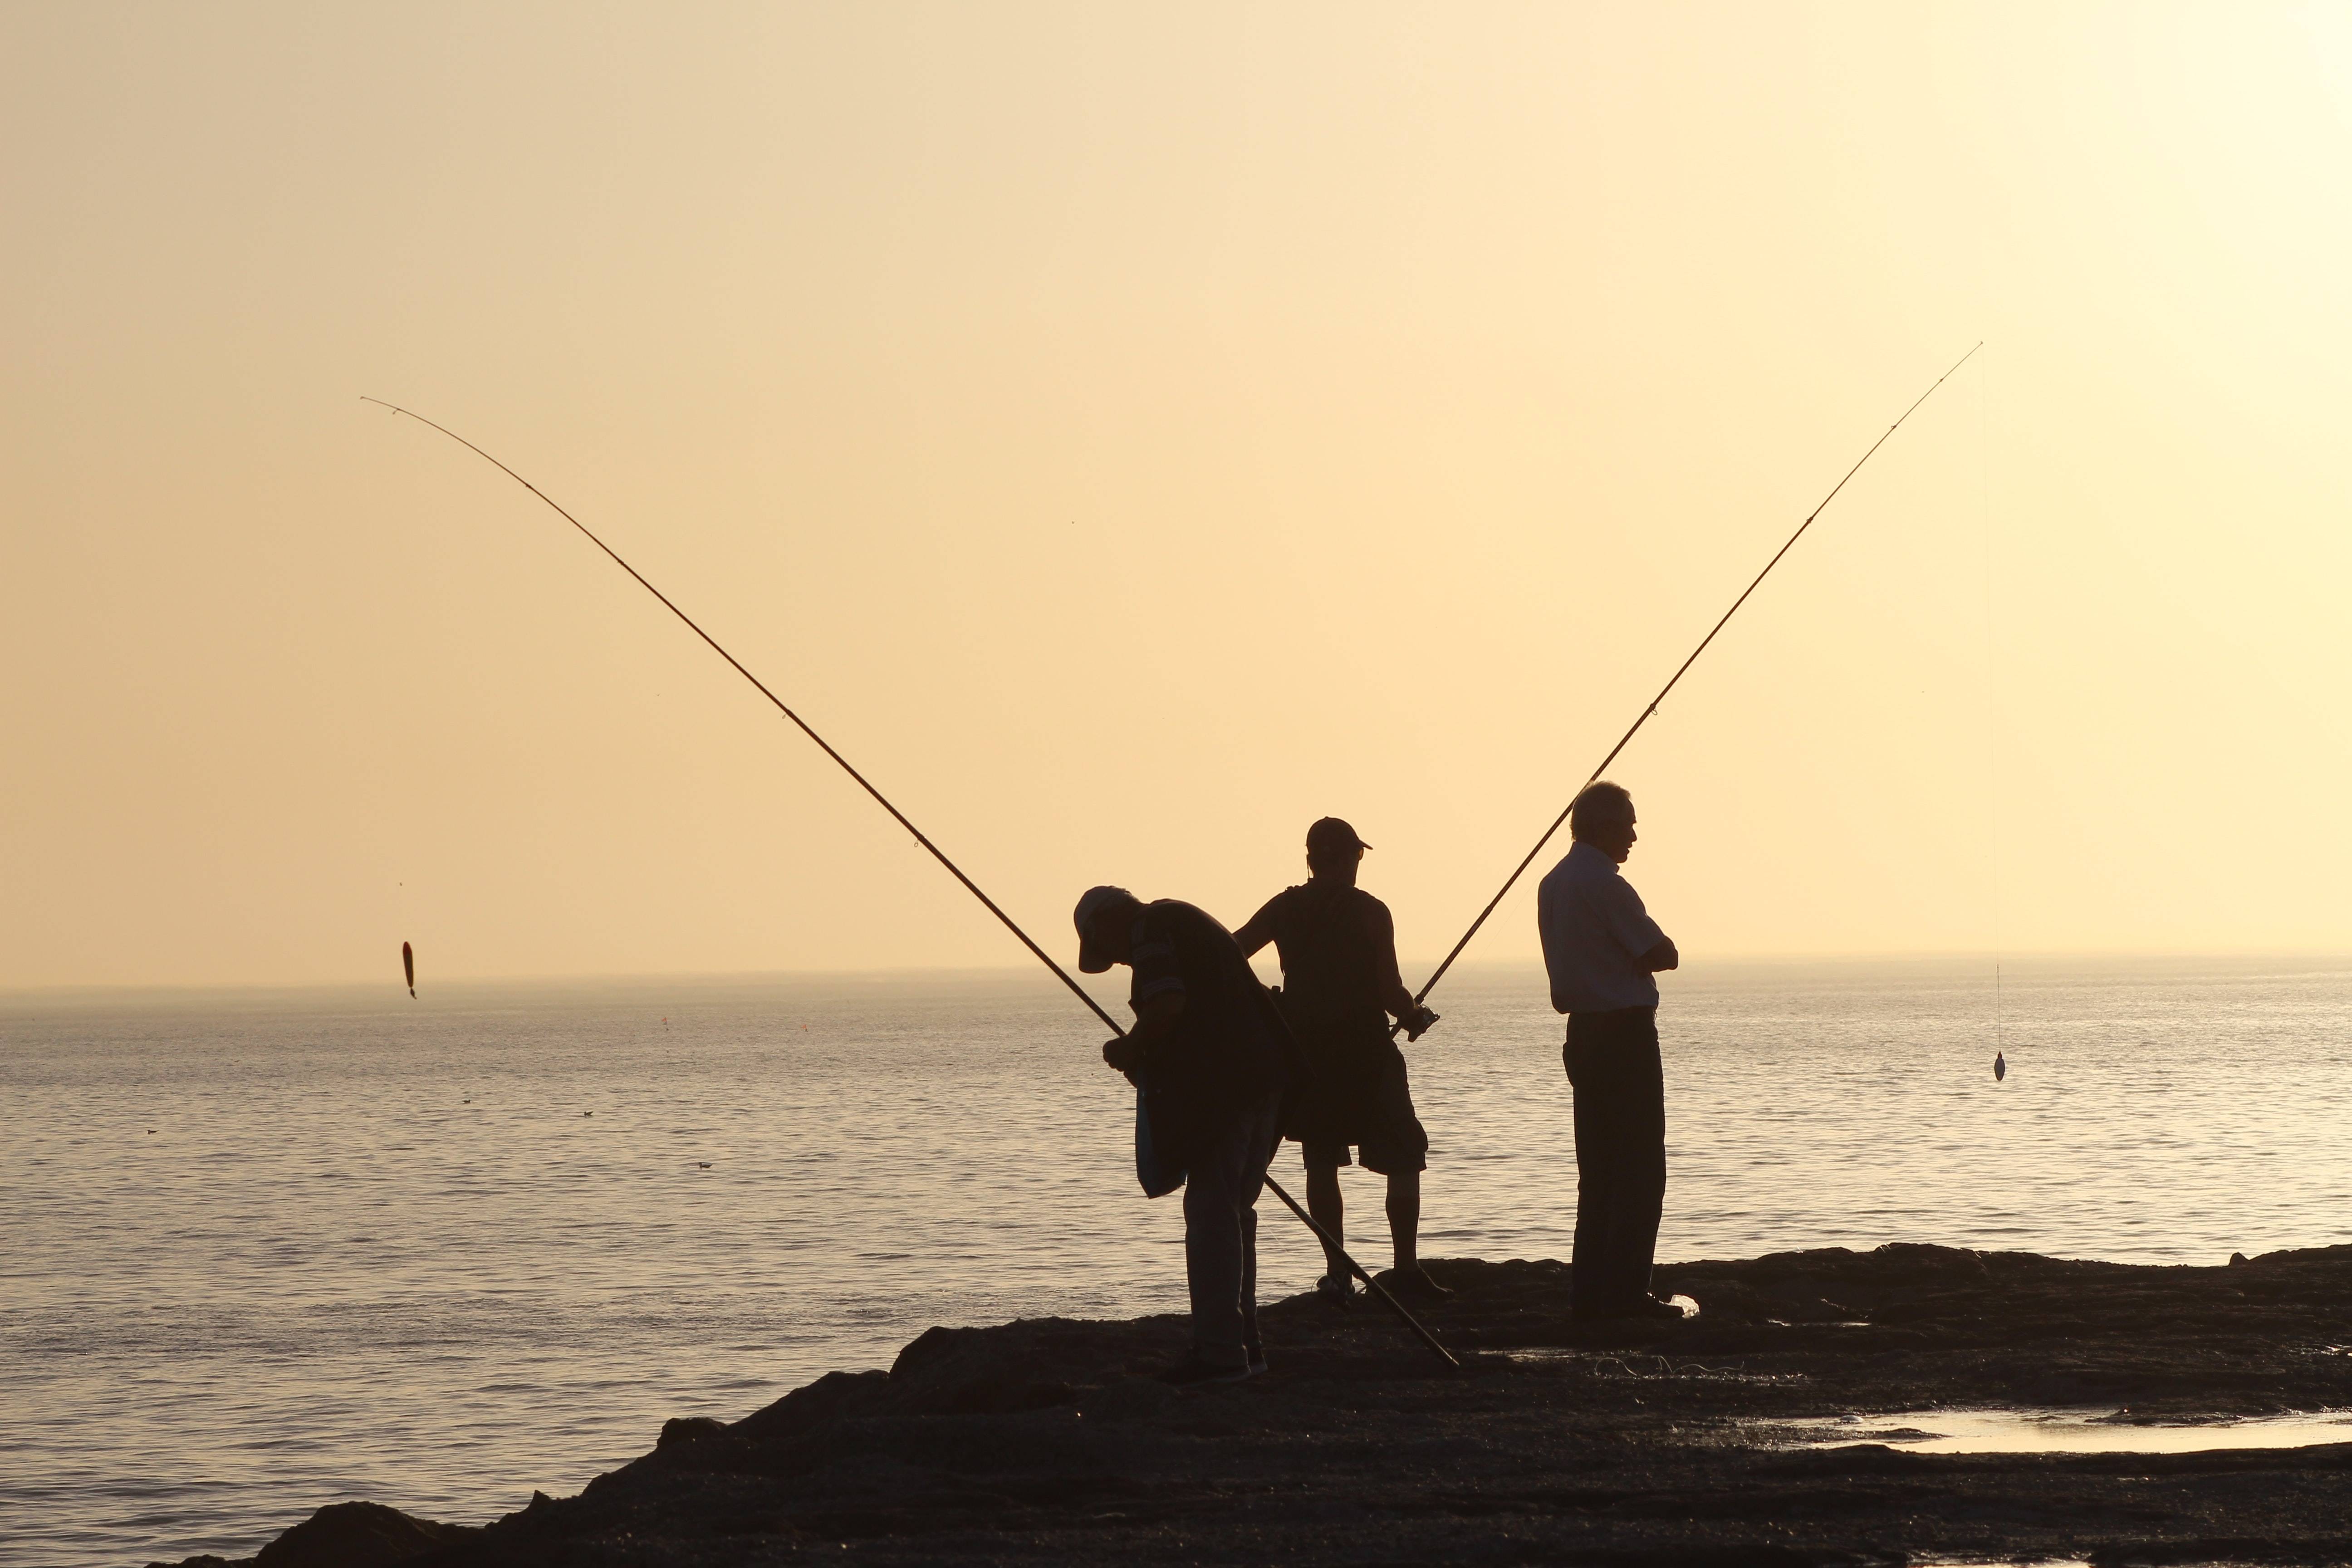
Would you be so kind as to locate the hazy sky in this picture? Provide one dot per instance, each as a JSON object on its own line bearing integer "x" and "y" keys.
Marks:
{"x": 1130, "y": 434}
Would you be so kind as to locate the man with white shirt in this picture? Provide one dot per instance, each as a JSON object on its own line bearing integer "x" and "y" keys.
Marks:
{"x": 1602, "y": 951}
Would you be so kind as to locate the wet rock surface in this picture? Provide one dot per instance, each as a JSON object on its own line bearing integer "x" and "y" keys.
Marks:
{"x": 1047, "y": 1441}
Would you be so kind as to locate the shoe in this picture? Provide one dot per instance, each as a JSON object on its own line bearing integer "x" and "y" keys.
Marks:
{"x": 1256, "y": 1360}
{"x": 1644, "y": 1308}
{"x": 1414, "y": 1281}
{"x": 1198, "y": 1368}
{"x": 1338, "y": 1291}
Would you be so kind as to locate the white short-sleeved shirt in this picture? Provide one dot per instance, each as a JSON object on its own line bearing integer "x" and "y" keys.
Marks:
{"x": 1595, "y": 932}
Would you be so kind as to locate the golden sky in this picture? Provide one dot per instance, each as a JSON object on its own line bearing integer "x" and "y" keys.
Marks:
{"x": 1132, "y": 433}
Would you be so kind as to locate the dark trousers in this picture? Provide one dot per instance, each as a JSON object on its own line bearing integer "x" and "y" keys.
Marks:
{"x": 1620, "y": 1091}
{"x": 1220, "y": 1186}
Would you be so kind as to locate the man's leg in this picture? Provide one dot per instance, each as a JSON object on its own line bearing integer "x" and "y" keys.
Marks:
{"x": 1405, "y": 1218}
{"x": 1400, "y": 1152}
{"x": 1331, "y": 1211}
{"x": 1267, "y": 1134}
{"x": 1643, "y": 1195}
{"x": 1214, "y": 1251}
{"x": 1221, "y": 1230}
{"x": 1252, "y": 1345}
{"x": 1594, "y": 1264}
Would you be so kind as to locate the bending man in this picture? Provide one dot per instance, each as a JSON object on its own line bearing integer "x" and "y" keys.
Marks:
{"x": 1211, "y": 1057}
{"x": 1339, "y": 983}
{"x": 1602, "y": 952}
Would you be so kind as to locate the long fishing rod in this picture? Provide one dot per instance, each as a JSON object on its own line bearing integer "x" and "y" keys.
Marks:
{"x": 937, "y": 854}
{"x": 1647, "y": 713}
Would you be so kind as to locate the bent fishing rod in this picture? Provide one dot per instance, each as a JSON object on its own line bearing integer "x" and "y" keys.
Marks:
{"x": 1080, "y": 992}
{"x": 1649, "y": 713}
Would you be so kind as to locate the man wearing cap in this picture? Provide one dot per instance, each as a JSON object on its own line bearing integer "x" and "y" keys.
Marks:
{"x": 1602, "y": 952}
{"x": 1211, "y": 1057}
{"x": 1340, "y": 985}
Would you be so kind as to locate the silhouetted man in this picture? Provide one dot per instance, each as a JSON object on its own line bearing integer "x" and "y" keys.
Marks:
{"x": 1211, "y": 1056}
{"x": 1340, "y": 985}
{"x": 1601, "y": 951}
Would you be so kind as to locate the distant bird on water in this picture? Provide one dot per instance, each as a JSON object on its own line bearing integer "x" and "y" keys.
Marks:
{"x": 408, "y": 967}
{"x": 702, "y": 1164}
{"x": 2000, "y": 1068}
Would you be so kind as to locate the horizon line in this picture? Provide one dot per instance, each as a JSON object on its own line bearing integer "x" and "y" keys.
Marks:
{"x": 881, "y": 974}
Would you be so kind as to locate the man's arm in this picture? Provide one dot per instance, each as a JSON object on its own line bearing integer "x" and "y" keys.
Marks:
{"x": 1154, "y": 1020}
{"x": 1399, "y": 1001}
{"x": 1651, "y": 948}
{"x": 1259, "y": 930}
{"x": 1547, "y": 899}
{"x": 1159, "y": 997}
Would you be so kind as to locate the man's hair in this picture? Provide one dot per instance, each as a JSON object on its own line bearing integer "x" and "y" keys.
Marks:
{"x": 1597, "y": 803}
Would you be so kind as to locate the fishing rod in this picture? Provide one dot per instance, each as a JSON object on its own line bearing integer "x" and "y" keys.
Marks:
{"x": 1080, "y": 992}
{"x": 1647, "y": 713}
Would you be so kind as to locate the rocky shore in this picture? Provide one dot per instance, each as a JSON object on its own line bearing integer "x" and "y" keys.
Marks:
{"x": 1047, "y": 1441}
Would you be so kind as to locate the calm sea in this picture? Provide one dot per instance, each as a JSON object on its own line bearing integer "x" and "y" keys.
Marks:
{"x": 264, "y": 1251}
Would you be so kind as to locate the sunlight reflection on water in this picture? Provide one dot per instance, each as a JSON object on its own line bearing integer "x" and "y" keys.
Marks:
{"x": 379, "y": 1248}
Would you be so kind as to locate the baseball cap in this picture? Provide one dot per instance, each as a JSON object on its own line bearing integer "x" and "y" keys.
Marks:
{"x": 1331, "y": 833}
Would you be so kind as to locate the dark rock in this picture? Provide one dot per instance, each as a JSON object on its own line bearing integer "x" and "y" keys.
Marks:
{"x": 682, "y": 1430}
{"x": 1045, "y": 1441}
{"x": 356, "y": 1535}
{"x": 345, "y": 1535}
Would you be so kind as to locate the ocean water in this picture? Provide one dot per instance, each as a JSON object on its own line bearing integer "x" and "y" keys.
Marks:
{"x": 260, "y": 1252}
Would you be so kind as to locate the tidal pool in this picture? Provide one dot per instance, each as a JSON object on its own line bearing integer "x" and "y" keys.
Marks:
{"x": 2066, "y": 1432}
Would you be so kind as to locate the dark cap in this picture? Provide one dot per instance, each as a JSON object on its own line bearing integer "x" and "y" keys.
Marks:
{"x": 1330, "y": 833}
{"x": 1092, "y": 960}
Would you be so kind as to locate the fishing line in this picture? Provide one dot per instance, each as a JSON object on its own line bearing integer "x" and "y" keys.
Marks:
{"x": 937, "y": 854}
{"x": 1992, "y": 707}
{"x": 1648, "y": 712}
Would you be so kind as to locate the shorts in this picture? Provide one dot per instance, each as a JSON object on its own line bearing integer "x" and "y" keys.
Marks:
{"x": 1368, "y": 1104}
